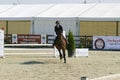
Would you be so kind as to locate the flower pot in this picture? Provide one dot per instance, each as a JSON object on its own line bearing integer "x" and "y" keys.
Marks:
{"x": 71, "y": 53}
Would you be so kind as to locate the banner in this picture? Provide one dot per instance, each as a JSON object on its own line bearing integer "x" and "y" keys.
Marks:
{"x": 106, "y": 42}
{"x": 28, "y": 39}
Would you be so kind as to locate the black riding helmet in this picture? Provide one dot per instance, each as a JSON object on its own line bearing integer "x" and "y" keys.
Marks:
{"x": 57, "y": 22}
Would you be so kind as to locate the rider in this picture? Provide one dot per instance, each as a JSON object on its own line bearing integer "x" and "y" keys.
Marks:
{"x": 58, "y": 28}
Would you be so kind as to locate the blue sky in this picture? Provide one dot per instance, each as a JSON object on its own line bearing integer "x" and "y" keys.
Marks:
{"x": 56, "y": 1}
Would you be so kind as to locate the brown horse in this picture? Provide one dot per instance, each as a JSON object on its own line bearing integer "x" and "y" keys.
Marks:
{"x": 60, "y": 44}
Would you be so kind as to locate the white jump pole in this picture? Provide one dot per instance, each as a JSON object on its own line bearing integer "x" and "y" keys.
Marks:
{"x": 2, "y": 43}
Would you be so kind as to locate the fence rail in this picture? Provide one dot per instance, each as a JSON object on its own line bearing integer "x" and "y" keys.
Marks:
{"x": 80, "y": 41}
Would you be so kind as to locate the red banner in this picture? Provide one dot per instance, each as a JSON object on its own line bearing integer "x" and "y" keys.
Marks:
{"x": 28, "y": 39}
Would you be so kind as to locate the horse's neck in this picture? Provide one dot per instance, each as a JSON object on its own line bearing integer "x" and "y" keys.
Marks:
{"x": 60, "y": 36}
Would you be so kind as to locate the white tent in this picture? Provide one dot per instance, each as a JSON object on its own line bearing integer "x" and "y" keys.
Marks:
{"x": 47, "y": 11}
{"x": 22, "y": 12}
{"x": 65, "y": 13}
{"x": 102, "y": 12}
{"x": 43, "y": 16}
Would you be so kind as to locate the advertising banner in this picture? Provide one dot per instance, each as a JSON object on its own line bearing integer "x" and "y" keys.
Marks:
{"x": 28, "y": 39}
{"x": 106, "y": 42}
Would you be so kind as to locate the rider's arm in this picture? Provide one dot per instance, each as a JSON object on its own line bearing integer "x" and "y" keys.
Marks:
{"x": 55, "y": 29}
{"x": 61, "y": 28}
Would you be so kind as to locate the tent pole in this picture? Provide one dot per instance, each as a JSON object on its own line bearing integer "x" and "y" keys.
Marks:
{"x": 6, "y": 27}
{"x": 117, "y": 28}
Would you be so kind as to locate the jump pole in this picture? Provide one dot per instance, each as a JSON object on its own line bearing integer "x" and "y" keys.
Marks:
{"x": 84, "y": 78}
{"x": 2, "y": 43}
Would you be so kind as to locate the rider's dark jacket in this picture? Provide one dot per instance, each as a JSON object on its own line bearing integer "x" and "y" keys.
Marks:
{"x": 58, "y": 28}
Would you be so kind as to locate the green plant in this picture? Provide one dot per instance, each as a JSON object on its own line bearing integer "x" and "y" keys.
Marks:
{"x": 71, "y": 44}
{"x": 81, "y": 46}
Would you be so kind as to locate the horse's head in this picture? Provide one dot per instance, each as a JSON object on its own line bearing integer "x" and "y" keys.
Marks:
{"x": 59, "y": 33}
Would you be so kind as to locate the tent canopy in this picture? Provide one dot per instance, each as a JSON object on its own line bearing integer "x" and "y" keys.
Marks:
{"x": 102, "y": 12}
{"x": 65, "y": 11}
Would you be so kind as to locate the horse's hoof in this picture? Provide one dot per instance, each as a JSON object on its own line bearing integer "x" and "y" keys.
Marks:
{"x": 60, "y": 57}
{"x": 65, "y": 62}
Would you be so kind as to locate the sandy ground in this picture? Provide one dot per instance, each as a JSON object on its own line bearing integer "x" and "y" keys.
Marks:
{"x": 37, "y": 67}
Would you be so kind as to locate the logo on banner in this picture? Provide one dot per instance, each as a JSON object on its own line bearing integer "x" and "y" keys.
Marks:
{"x": 99, "y": 43}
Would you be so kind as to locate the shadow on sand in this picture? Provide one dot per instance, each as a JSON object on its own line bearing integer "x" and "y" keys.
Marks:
{"x": 32, "y": 62}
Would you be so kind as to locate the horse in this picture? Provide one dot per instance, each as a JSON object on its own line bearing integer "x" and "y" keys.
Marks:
{"x": 60, "y": 44}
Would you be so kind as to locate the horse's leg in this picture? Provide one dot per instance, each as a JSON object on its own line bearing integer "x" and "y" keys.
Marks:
{"x": 60, "y": 54}
{"x": 64, "y": 55}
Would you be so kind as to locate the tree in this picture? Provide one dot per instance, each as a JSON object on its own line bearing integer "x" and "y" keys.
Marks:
{"x": 71, "y": 44}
